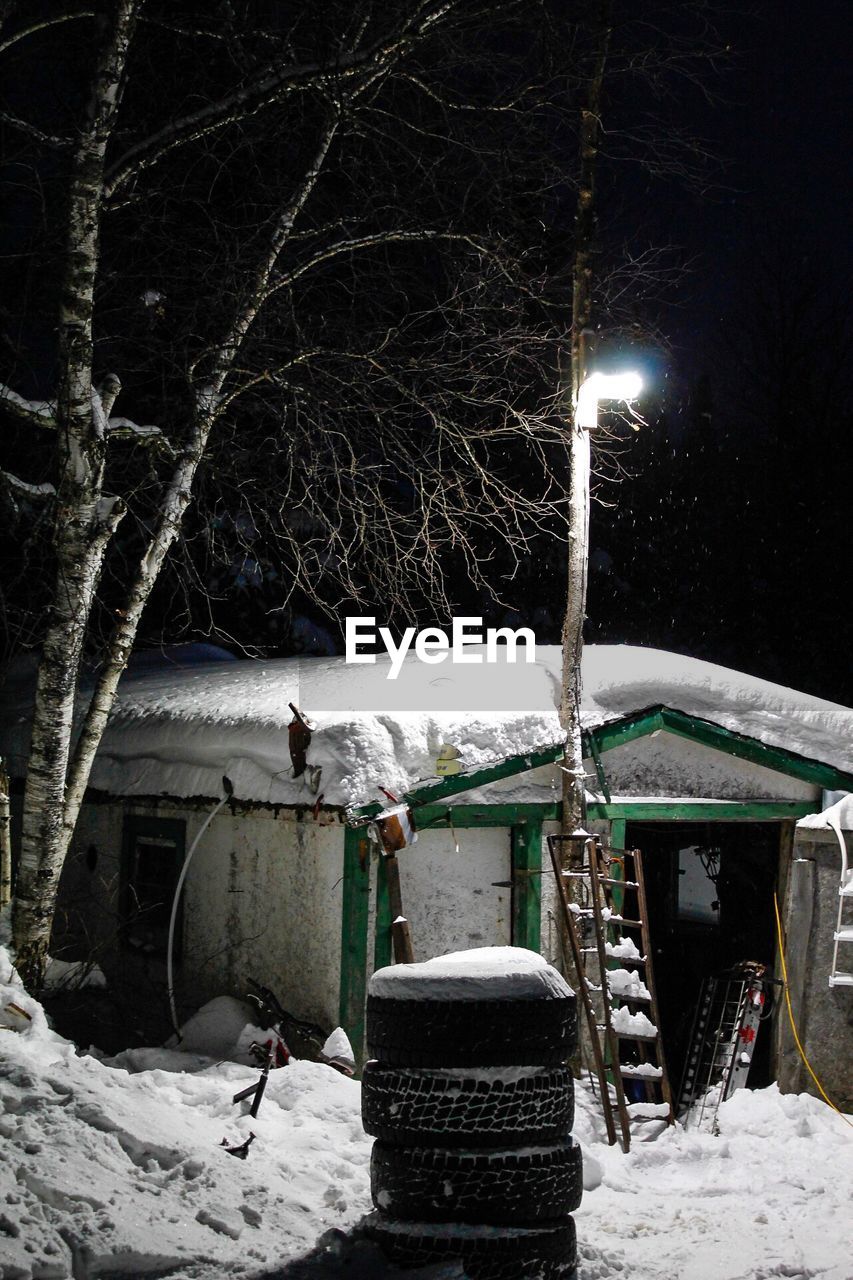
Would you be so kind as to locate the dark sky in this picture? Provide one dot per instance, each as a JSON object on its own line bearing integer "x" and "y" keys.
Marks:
{"x": 737, "y": 546}
{"x": 784, "y": 131}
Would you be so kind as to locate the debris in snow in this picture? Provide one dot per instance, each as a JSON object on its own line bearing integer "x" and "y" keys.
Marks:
{"x": 115, "y": 1168}
{"x": 241, "y": 1150}
{"x": 70, "y": 975}
{"x": 337, "y": 1052}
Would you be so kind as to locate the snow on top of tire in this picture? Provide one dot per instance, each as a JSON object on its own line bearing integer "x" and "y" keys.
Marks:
{"x": 484, "y": 973}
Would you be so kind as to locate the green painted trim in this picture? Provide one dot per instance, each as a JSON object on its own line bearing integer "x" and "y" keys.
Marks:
{"x": 435, "y": 816}
{"x": 429, "y": 794}
{"x": 619, "y": 732}
{"x": 617, "y": 841}
{"x": 737, "y": 744}
{"x": 356, "y": 900}
{"x": 617, "y": 832}
{"x": 616, "y": 734}
{"x": 383, "y": 942}
{"x": 702, "y": 811}
{"x": 527, "y": 884}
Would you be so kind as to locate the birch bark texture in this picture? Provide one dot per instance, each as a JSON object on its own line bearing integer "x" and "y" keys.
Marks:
{"x": 573, "y": 791}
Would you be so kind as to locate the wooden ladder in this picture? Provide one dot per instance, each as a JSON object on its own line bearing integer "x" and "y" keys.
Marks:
{"x": 616, "y": 981}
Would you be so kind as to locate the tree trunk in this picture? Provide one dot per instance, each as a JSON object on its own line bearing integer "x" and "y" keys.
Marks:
{"x": 57, "y": 780}
{"x": 574, "y": 806}
{"x": 84, "y": 523}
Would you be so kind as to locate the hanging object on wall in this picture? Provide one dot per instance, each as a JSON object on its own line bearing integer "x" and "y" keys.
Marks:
{"x": 299, "y": 738}
{"x": 448, "y": 762}
{"x": 395, "y": 828}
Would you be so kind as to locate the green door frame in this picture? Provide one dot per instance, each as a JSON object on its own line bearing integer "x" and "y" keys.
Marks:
{"x": 525, "y": 822}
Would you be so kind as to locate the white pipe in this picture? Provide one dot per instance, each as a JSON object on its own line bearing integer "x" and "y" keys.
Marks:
{"x": 181, "y": 878}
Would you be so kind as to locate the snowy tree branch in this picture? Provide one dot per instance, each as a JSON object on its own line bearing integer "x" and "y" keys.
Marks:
{"x": 268, "y": 87}
{"x": 43, "y": 26}
{"x": 398, "y": 236}
{"x": 24, "y": 126}
{"x": 37, "y": 413}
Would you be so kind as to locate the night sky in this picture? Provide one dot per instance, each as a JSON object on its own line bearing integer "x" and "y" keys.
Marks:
{"x": 731, "y": 543}
{"x": 728, "y": 537}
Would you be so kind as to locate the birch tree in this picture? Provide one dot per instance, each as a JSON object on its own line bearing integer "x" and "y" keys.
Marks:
{"x": 230, "y": 147}
{"x": 306, "y": 265}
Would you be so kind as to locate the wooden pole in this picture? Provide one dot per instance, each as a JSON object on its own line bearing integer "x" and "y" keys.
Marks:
{"x": 401, "y": 933}
{"x": 5, "y": 840}
{"x": 574, "y": 806}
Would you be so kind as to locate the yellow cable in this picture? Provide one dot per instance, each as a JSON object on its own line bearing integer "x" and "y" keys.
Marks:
{"x": 802, "y": 1051}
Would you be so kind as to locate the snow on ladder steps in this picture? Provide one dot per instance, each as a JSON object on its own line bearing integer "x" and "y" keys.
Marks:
{"x": 484, "y": 973}
{"x": 648, "y": 1110}
{"x": 627, "y": 984}
{"x": 625, "y": 1023}
{"x": 624, "y": 949}
{"x": 641, "y": 1071}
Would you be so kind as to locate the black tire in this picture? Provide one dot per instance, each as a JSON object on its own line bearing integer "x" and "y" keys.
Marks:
{"x": 471, "y": 1033}
{"x": 543, "y": 1253}
{"x": 447, "y": 1108}
{"x": 502, "y": 1188}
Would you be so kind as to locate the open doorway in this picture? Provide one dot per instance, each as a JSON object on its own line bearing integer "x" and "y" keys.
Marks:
{"x": 710, "y": 903}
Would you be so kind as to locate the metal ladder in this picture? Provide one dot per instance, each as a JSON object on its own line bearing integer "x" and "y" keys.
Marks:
{"x": 619, "y": 1002}
{"x": 722, "y": 1042}
{"x": 844, "y": 924}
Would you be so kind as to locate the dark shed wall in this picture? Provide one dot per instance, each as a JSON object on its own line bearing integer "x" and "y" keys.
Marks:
{"x": 824, "y": 1015}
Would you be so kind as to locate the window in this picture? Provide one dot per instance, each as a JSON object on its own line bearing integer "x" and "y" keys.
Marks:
{"x": 152, "y": 857}
{"x": 698, "y": 897}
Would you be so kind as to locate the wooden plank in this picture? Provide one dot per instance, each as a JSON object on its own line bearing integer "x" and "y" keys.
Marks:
{"x": 401, "y": 934}
{"x": 382, "y": 939}
{"x": 356, "y": 900}
{"x": 527, "y": 884}
{"x": 702, "y": 810}
{"x": 436, "y": 816}
{"x": 462, "y": 782}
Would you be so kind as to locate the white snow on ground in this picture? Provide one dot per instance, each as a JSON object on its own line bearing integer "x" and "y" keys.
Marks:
{"x": 482, "y": 973}
{"x": 177, "y": 730}
{"x": 115, "y": 1166}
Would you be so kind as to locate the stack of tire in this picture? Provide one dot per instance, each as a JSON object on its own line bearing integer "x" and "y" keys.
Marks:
{"x": 471, "y": 1103}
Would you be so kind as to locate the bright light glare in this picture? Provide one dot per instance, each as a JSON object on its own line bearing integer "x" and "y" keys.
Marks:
{"x": 605, "y": 386}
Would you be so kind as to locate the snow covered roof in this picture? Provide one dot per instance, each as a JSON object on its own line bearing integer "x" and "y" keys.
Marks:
{"x": 178, "y": 731}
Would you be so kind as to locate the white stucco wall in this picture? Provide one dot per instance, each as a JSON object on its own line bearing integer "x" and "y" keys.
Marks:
{"x": 262, "y": 899}
{"x": 451, "y": 897}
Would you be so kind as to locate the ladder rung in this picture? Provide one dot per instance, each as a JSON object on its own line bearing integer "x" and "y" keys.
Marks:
{"x": 646, "y": 1071}
{"x": 623, "y": 884}
{"x": 841, "y": 979}
{"x": 628, "y": 1035}
{"x": 845, "y": 934}
{"x": 648, "y": 1110}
